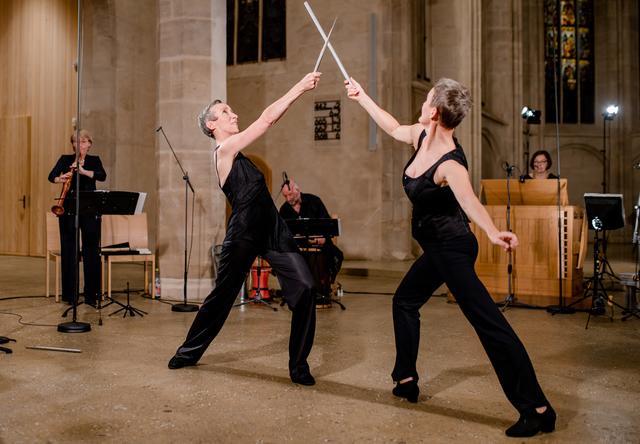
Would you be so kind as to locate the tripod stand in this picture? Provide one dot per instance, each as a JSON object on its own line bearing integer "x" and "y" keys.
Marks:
{"x": 606, "y": 212}
{"x": 258, "y": 298}
{"x": 128, "y": 308}
{"x": 595, "y": 287}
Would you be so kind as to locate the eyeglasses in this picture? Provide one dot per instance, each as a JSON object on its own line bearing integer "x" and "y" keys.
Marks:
{"x": 540, "y": 162}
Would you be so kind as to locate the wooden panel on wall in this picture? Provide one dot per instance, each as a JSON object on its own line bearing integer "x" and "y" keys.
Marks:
{"x": 15, "y": 148}
{"x": 37, "y": 52}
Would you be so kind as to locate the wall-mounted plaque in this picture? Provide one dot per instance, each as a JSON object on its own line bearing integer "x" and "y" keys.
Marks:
{"x": 327, "y": 120}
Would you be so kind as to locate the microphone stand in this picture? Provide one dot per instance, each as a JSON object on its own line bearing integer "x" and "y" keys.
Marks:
{"x": 561, "y": 308}
{"x": 74, "y": 326}
{"x": 527, "y": 134}
{"x": 510, "y": 299}
{"x": 184, "y": 306}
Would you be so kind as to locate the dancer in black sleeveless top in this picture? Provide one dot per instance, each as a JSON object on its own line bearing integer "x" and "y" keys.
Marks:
{"x": 437, "y": 182}
{"x": 254, "y": 228}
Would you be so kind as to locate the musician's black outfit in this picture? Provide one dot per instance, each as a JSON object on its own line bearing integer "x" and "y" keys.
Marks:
{"x": 254, "y": 228}
{"x": 89, "y": 229}
{"x": 450, "y": 249}
{"x": 312, "y": 207}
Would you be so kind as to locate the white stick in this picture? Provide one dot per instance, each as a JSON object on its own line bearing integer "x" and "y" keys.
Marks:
{"x": 324, "y": 47}
{"x": 57, "y": 349}
{"x": 324, "y": 36}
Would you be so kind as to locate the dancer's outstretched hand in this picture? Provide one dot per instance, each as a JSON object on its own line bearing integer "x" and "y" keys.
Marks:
{"x": 506, "y": 239}
{"x": 310, "y": 81}
{"x": 354, "y": 90}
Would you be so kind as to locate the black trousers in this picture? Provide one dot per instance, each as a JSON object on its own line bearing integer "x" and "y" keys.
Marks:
{"x": 90, "y": 234}
{"x": 296, "y": 282}
{"x": 452, "y": 262}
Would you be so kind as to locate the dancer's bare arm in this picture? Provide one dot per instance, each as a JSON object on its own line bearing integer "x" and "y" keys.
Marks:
{"x": 403, "y": 133}
{"x": 269, "y": 116}
{"x": 457, "y": 177}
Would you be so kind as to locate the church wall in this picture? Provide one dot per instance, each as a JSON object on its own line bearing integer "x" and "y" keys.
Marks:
{"x": 501, "y": 88}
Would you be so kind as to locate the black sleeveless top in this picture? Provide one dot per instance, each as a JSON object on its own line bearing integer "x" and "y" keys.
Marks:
{"x": 254, "y": 217}
{"x": 437, "y": 215}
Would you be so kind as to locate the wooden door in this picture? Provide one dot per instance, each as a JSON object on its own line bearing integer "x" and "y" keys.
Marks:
{"x": 15, "y": 158}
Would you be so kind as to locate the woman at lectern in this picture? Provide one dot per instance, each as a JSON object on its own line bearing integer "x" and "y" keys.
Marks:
{"x": 91, "y": 170}
{"x": 540, "y": 165}
{"x": 437, "y": 182}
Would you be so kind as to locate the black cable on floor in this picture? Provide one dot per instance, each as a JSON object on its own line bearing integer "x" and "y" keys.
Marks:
{"x": 20, "y": 297}
{"x": 33, "y": 324}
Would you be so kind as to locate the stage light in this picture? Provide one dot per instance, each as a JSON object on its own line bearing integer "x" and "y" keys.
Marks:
{"x": 610, "y": 112}
{"x": 531, "y": 115}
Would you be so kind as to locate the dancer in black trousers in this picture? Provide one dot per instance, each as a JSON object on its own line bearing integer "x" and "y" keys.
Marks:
{"x": 91, "y": 170}
{"x": 255, "y": 228}
{"x": 437, "y": 182}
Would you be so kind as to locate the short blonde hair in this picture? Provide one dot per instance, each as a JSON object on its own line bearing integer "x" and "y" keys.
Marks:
{"x": 452, "y": 100}
{"x": 84, "y": 134}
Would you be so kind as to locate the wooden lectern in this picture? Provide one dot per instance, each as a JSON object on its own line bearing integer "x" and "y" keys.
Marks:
{"x": 534, "y": 218}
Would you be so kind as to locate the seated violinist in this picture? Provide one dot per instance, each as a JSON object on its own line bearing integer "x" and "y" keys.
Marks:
{"x": 308, "y": 206}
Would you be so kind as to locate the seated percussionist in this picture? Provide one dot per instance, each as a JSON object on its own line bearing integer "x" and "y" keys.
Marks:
{"x": 309, "y": 206}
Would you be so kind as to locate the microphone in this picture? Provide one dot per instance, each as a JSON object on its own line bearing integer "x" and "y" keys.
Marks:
{"x": 285, "y": 180}
{"x": 636, "y": 166}
{"x": 508, "y": 168}
{"x": 158, "y": 129}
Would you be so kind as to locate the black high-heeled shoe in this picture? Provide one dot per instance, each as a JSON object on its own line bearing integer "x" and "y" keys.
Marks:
{"x": 408, "y": 390}
{"x": 530, "y": 424}
{"x": 179, "y": 362}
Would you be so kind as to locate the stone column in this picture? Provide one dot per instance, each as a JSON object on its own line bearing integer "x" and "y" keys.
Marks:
{"x": 191, "y": 72}
{"x": 396, "y": 96}
{"x": 456, "y": 53}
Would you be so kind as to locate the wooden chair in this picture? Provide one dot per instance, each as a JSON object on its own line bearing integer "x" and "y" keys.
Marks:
{"x": 53, "y": 252}
{"x": 117, "y": 229}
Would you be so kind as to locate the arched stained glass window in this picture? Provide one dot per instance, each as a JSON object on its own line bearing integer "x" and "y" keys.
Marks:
{"x": 572, "y": 55}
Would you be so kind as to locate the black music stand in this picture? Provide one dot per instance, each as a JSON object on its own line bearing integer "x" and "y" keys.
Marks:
{"x": 99, "y": 203}
{"x": 316, "y": 228}
{"x": 604, "y": 212}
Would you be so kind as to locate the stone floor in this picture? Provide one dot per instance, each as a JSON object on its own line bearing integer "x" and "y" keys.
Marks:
{"x": 118, "y": 389}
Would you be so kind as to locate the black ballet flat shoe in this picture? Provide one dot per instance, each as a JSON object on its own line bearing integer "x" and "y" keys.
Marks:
{"x": 530, "y": 424}
{"x": 408, "y": 390}
{"x": 179, "y": 362}
{"x": 303, "y": 379}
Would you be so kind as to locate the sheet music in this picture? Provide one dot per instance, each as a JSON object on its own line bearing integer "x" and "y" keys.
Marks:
{"x": 140, "y": 204}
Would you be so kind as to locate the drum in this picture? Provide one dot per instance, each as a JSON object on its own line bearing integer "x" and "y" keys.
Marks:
{"x": 260, "y": 271}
